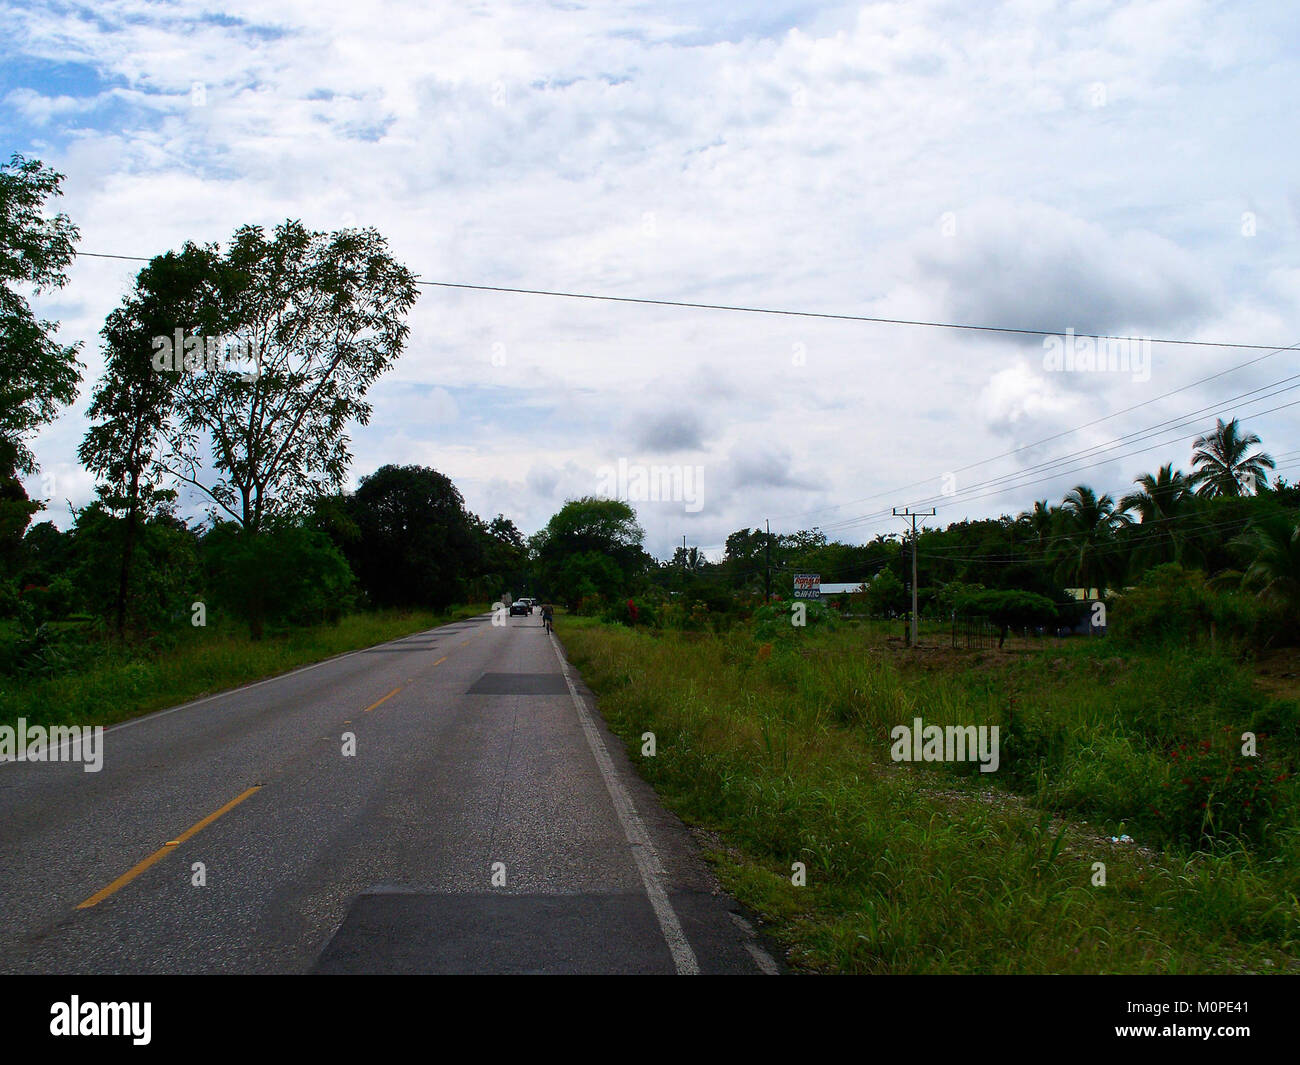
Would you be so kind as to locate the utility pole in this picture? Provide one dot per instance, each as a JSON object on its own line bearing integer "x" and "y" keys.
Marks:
{"x": 768, "y": 544}
{"x": 913, "y": 514}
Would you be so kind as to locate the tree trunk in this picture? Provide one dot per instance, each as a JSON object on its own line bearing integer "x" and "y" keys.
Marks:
{"x": 128, "y": 548}
{"x": 256, "y": 614}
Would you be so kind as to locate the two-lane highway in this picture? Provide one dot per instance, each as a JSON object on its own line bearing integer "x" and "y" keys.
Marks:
{"x": 448, "y": 802}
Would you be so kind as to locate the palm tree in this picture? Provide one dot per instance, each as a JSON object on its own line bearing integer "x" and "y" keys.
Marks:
{"x": 1223, "y": 467}
{"x": 1162, "y": 503}
{"x": 1276, "y": 568}
{"x": 1086, "y": 554}
{"x": 1038, "y": 524}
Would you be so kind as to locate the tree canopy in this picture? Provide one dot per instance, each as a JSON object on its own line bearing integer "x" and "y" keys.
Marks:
{"x": 590, "y": 547}
{"x": 37, "y": 374}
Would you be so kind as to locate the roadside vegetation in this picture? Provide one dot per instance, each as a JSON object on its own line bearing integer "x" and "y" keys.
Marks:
{"x": 101, "y": 682}
{"x": 778, "y": 751}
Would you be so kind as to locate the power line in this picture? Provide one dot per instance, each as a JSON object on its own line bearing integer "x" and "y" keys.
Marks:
{"x": 881, "y": 515}
{"x": 1187, "y": 516}
{"x": 1270, "y": 351}
{"x": 1006, "y": 488}
{"x": 924, "y": 323}
{"x": 1114, "y": 545}
{"x": 1101, "y": 449}
{"x": 1159, "y": 429}
{"x": 1054, "y": 436}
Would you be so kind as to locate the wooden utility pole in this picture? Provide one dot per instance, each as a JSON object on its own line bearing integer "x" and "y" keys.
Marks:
{"x": 913, "y": 514}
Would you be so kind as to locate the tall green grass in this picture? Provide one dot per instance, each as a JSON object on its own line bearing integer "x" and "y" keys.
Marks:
{"x": 120, "y": 683}
{"x": 782, "y": 751}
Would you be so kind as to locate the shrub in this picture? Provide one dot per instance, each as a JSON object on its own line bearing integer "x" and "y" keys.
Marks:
{"x": 1214, "y": 791}
{"x": 775, "y": 621}
{"x": 590, "y": 604}
{"x": 1176, "y": 606}
{"x": 10, "y": 600}
{"x": 1006, "y": 607}
{"x": 1108, "y": 775}
{"x": 886, "y": 594}
{"x": 312, "y": 581}
{"x": 630, "y": 612}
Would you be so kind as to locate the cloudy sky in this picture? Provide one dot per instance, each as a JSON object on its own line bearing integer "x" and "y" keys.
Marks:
{"x": 1092, "y": 166}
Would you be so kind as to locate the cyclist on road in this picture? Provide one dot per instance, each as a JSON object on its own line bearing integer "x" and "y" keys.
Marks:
{"x": 547, "y": 615}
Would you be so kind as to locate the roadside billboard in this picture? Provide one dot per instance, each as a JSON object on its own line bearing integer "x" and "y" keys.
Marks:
{"x": 807, "y": 585}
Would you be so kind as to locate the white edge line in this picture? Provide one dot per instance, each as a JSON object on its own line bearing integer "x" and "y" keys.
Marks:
{"x": 647, "y": 858}
{"x": 156, "y": 714}
{"x": 761, "y": 957}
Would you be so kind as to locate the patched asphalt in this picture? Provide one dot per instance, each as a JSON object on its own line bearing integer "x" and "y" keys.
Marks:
{"x": 470, "y": 832}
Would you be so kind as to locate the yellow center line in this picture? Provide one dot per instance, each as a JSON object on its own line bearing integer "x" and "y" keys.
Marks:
{"x": 441, "y": 660}
{"x": 163, "y": 851}
{"x": 382, "y": 701}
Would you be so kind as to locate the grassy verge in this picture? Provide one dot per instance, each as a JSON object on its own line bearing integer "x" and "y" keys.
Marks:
{"x": 779, "y": 753}
{"x": 118, "y": 684}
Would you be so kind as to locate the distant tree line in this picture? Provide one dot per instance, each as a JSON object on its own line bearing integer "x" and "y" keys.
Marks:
{"x": 233, "y": 374}
{"x": 1224, "y": 528}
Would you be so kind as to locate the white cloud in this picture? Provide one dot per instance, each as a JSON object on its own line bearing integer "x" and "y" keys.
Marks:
{"x": 1096, "y": 158}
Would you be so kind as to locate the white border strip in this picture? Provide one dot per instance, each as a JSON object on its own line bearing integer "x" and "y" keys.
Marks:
{"x": 647, "y": 858}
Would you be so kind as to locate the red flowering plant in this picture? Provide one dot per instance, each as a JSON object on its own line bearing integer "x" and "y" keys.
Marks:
{"x": 629, "y": 612}
{"x": 1216, "y": 790}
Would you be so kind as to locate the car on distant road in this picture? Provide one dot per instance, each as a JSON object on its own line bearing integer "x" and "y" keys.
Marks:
{"x": 521, "y": 606}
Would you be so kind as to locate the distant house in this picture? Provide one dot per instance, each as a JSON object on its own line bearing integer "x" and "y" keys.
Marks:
{"x": 830, "y": 591}
{"x": 1085, "y": 626}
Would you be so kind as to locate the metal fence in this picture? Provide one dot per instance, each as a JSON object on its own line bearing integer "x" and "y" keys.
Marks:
{"x": 973, "y": 633}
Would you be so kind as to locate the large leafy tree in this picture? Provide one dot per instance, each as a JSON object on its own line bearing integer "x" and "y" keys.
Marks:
{"x": 1226, "y": 465}
{"x": 1006, "y": 607}
{"x": 163, "y": 580}
{"x": 886, "y": 595}
{"x": 47, "y": 553}
{"x": 417, "y": 545}
{"x": 688, "y": 560}
{"x": 326, "y": 315}
{"x": 37, "y": 375}
{"x": 16, "y": 510}
{"x": 134, "y": 403}
{"x": 590, "y": 547}
{"x": 504, "y": 562}
{"x": 746, "y": 557}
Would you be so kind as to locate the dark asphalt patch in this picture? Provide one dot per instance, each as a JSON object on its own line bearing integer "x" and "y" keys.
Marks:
{"x": 520, "y": 684}
{"x": 408, "y": 933}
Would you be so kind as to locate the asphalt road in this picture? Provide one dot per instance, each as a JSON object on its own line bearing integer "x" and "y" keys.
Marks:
{"x": 486, "y": 823}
